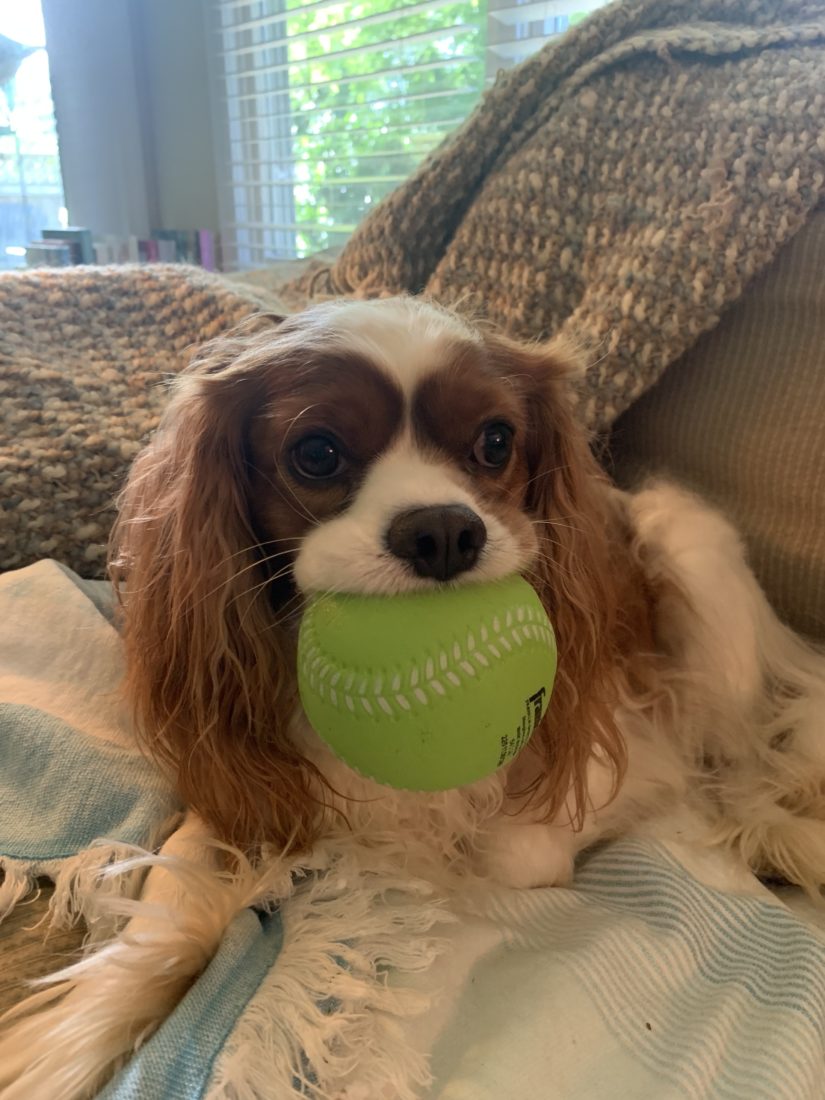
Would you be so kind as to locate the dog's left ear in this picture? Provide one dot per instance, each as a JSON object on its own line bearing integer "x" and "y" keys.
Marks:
{"x": 567, "y": 495}
{"x": 210, "y": 664}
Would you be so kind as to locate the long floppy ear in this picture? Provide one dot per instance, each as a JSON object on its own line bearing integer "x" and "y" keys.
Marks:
{"x": 576, "y": 577}
{"x": 210, "y": 671}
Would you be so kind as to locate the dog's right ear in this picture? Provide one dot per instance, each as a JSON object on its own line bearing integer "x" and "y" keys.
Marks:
{"x": 210, "y": 671}
{"x": 575, "y": 575}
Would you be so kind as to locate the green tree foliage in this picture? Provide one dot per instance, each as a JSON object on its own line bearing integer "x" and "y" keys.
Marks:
{"x": 374, "y": 85}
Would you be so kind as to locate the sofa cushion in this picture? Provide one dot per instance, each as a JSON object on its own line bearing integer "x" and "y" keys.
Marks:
{"x": 741, "y": 418}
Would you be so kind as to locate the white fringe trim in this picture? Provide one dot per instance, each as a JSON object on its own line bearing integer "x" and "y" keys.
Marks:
{"x": 328, "y": 1014}
{"x": 82, "y": 886}
{"x": 83, "y": 1023}
{"x": 18, "y": 882}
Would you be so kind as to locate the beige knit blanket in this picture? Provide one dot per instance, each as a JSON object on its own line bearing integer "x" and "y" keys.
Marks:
{"x": 621, "y": 186}
{"x": 84, "y": 357}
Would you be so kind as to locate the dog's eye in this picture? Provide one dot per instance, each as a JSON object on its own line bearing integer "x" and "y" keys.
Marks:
{"x": 317, "y": 457}
{"x": 493, "y": 446}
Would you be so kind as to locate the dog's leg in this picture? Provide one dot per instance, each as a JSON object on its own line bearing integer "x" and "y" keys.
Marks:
{"x": 521, "y": 850}
{"x": 65, "y": 1040}
{"x": 524, "y": 855}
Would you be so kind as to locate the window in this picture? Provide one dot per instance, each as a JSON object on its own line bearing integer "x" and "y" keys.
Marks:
{"x": 31, "y": 192}
{"x": 327, "y": 105}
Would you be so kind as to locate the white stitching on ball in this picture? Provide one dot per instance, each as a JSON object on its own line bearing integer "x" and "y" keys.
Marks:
{"x": 323, "y": 678}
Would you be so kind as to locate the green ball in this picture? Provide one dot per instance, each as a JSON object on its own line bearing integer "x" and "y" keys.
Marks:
{"x": 429, "y": 690}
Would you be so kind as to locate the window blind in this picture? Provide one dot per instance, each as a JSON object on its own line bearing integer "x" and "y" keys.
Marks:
{"x": 325, "y": 106}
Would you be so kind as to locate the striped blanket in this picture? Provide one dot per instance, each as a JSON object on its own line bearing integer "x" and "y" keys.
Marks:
{"x": 663, "y": 972}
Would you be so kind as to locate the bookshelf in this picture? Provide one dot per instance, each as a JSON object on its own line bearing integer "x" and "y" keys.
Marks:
{"x": 77, "y": 245}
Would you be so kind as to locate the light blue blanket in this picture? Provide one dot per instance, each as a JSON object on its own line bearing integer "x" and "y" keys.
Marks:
{"x": 662, "y": 973}
{"x": 69, "y": 770}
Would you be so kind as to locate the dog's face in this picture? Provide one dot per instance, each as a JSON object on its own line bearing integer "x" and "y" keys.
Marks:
{"x": 369, "y": 447}
{"x": 397, "y": 457}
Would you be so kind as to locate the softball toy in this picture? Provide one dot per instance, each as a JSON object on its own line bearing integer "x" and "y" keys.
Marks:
{"x": 428, "y": 690}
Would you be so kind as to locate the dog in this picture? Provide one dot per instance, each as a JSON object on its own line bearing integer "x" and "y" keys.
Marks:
{"x": 392, "y": 446}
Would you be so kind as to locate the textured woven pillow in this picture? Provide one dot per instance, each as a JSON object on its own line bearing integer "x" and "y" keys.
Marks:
{"x": 741, "y": 417}
{"x": 84, "y": 353}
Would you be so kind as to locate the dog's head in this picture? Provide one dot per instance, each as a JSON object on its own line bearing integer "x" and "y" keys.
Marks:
{"x": 370, "y": 447}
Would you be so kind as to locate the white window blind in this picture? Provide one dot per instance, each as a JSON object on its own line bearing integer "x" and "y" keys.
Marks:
{"x": 325, "y": 106}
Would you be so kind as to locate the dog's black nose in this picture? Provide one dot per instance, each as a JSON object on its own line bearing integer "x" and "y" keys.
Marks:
{"x": 438, "y": 542}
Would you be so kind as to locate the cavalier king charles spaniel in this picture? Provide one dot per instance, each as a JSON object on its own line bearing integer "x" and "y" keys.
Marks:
{"x": 390, "y": 446}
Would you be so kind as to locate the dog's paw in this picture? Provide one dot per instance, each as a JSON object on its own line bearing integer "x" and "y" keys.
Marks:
{"x": 525, "y": 856}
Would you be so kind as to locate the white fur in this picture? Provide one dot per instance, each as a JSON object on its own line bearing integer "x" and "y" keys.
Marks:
{"x": 348, "y": 553}
{"x": 407, "y": 337}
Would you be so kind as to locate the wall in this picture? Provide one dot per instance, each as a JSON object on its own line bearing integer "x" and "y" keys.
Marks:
{"x": 176, "y": 86}
{"x": 131, "y": 91}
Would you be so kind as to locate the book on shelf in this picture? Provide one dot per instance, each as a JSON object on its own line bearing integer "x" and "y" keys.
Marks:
{"x": 49, "y": 254}
{"x": 167, "y": 251}
{"x": 148, "y": 251}
{"x": 192, "y": 246}
{"x": 104, "y": 252}
{"x": 184, "y": 242}
{"x": 207, "y": 254}
{"x": 116, "y": 250}
{"x": 79, "y": 241}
